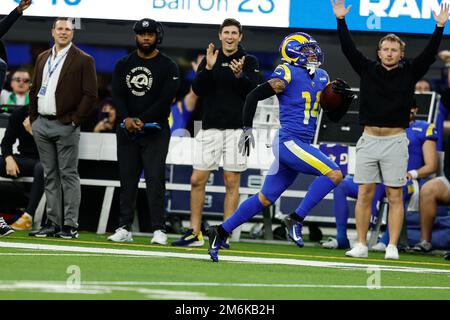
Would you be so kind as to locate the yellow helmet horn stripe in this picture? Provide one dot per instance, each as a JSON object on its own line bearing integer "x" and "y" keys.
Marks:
{"x": 296, "y": 37}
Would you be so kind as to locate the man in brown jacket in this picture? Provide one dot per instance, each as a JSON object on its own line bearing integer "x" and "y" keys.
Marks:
{"x": 63, "y": 92}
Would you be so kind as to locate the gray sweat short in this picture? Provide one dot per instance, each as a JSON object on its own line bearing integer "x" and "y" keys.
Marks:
{"x": 382, "y": 159}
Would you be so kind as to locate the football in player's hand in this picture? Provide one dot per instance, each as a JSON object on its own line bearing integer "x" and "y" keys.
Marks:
{"x": 330, "y": 100}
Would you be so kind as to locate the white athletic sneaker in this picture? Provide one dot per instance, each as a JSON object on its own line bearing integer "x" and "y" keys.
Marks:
{"x": 391, "y": 252}
{"x": 159, "y": 237}
{"x": 359, "y": 251}
{"x": 330, "y": 244}
{"x": 380, "y": 247}
{"x": 121, "y": 235}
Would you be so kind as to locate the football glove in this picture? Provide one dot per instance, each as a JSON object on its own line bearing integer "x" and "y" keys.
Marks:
{"x": 341, "y": 87}
{"x": 246, "y": 141}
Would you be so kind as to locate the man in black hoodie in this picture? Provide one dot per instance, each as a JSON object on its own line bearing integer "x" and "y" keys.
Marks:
{"x": 386, "y": 94}
{"x": 223, "y": 80}
{"x": 5, "y": 24}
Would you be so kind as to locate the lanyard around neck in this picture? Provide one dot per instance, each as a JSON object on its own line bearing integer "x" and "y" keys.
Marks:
{"x": 52, "y": 69}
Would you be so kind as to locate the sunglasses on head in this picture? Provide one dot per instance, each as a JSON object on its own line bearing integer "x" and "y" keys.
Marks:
{"x": 24, "y": 80}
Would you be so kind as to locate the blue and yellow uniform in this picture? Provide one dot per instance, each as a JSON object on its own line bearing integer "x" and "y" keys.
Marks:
{"x": 178, "y": 118}
{"x": 300, "y": 101}
{"x": 418, "y": 133}
{"x": 299, "y": 109}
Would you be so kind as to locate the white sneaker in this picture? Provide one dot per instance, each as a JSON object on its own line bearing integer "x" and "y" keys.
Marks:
{"x": 391, "y": 252}
{"x": 380, "y": 247}
{"x": 121, "y": 235}
{"x": 159, "y": 237}
{"x": 359, "y": 251}
{"x": 330, "y": 244}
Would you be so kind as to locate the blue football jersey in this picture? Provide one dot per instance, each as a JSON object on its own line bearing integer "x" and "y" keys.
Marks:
{"x": 417, "y": 133}
{"x": 299, "y": 102}
{"x": 179, "y": 117}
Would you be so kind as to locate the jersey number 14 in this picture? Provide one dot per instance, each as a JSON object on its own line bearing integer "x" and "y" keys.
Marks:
{"x": 314, "y": 112}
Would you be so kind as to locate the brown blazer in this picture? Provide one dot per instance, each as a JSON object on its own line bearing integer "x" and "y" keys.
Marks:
{"x": 76, "y": 91}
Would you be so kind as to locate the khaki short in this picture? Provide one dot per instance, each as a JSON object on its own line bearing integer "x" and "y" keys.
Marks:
{"x": 214, "y": 147}
{"x": 382, "y": 160}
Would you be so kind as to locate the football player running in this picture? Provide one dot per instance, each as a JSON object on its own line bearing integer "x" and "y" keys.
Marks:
{"x": 298, "y": 84}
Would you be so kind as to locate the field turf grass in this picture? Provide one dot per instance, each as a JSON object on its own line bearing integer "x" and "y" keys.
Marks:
{"x": 78, "y": 269}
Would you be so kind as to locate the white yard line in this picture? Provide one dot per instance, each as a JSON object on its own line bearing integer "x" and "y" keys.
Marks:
{"x": 255, "y": 260}
{"x": 68, "y": 255}
{"x": 106, "y": 287}
{"x": 255, "y": 285}
{"x": 63, "y": 287}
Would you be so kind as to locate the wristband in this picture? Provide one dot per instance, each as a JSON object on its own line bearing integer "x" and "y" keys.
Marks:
{"x": 414, "y": 174}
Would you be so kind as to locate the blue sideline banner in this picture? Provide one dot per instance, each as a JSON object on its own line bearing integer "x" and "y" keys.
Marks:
{"x": 404, "y": 16}
{"x": 268, "y": 13}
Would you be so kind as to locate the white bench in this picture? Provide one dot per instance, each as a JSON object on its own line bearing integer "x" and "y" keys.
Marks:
{"x": 102, "y": 147}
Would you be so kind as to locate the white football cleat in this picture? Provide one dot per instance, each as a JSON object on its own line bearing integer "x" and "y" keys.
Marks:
{"x": 391, "y": 252}
{"x": 121, "y": 235}
{"x": 159, "y": 237}
{"x": 359, "y": 251}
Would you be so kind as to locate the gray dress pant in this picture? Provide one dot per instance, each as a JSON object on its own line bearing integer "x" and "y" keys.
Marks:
{"x": 57, "y": 144}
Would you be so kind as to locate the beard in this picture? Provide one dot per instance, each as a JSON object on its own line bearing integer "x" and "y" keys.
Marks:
{"x": 144, "y": 49}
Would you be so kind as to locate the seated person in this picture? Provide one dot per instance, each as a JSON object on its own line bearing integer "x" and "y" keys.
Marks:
{"x": 421, "y": 163}
{"x": 442, "y": 122}
{"x": 26, "y": 163}
{"x": 429, "y": 191}
{"x": 5, "y": 24}
{"x": 20, "y": 85}
{"x": 180, "y": 114}
{"x": 433, "y": 193}
{"x": 107, "y": 117}
{"x": 423, "y": 85}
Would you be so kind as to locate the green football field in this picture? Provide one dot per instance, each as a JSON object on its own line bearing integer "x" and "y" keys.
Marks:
{"x": 92, "y": 268}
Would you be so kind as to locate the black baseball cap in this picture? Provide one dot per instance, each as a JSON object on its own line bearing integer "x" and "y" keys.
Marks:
{"x": 146, "y": 25}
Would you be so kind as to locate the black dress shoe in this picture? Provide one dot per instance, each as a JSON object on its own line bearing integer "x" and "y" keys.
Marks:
{"x": 47, "y": 231}
{"x": 67, "y": 233}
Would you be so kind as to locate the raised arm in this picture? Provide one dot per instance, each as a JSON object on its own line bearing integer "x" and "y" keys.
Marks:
{"x": 190, "y": 99}
{"x": 202, "y": 83}
{"x": 250, "y": 77}
{"x": 7, "y": 22}
{"x": 422, "y": 62}
{"x": 357, "y": 60}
